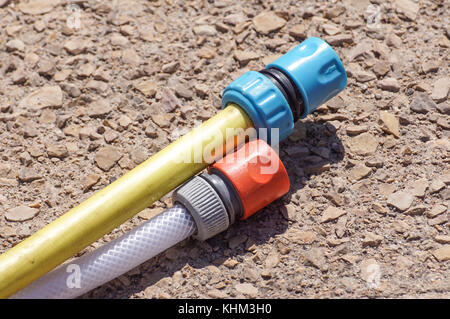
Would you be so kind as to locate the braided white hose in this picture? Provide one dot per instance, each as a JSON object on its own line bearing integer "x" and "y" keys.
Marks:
{"x": 115, "y": 258}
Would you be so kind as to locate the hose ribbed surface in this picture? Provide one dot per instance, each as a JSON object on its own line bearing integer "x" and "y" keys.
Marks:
{"x": 115, "y": 258}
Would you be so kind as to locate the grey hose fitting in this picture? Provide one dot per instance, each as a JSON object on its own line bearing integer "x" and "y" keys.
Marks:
{"x": 205, "y": 206}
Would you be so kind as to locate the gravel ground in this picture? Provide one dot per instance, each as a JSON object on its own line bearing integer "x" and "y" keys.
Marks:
{"x": 89, "y": 89}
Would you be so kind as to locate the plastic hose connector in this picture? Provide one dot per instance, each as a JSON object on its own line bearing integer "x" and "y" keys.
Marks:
{"x": 205, "y": 206}
{"x": 316, "y": 70}
{"x": 257, "y": 174}
{"x": 262, "y": 101}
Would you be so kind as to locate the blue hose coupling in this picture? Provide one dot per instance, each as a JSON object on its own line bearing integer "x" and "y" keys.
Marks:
{"x": 289, "y": 88}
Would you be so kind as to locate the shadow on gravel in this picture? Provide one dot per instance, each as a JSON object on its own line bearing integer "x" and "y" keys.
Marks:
{"x": 311, "y": 149}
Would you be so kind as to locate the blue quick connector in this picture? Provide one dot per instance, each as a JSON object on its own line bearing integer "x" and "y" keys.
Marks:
{"x": 289, "y": 88}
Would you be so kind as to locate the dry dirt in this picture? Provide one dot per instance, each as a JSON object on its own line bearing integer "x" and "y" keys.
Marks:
{"x": 89, "y": 89}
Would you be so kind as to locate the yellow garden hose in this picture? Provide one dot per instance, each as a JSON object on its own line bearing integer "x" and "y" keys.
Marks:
{"x": 121, "y": 200}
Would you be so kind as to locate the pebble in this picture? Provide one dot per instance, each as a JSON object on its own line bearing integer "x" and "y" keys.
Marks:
{"x": 302, "y": 237}
{"x": 90, "y": 181}
{"x": 99, "y": 108}
{"x": 444, "y": 108}
{"x": 267, "y": 22}
{"x": 130, "y": 56}
{"x": 331, "y": 213}
{"x": 441, "y": 88}
{"x": 76, "y": 46}
{"x": 363, "y": 144}
{"x": 407, "y": 8}
{"x": 247, "y": 289}
{"x": 15, "y": 45}
{"x": 36, "y": 7}
{"x": 216, "y": 294}
{"x": 21, "y": 213}
{"x": 27, "y": 174}
{"x": 442, "y": 239}
{"x": 358, "y": 172}
{"x": 170, "y": 67}
{"x": 149, "y": 213}
{"x": 422, "y": 103}
{"x": 401, "y": 200}
{"x": 298, "y": 31}
{"x": 372, "y": 240}
{"x": 148, "y": 88}
{"x": 230, "y": 263}
{"x": 205, "y": 30}
{"x": 443, "y": 253}
{"x": 245, "y": 56}
{"x": 390, "y": 123}
{"x": 389, "y": 84}
{"x": 356, "y": 129}
{"x": 316, "y": 257}
{"x": 436, "y": 210}
{"x": 436, "y": 185}
{"x": 58, "y": 151}
{"x": 107, "y": 157}
{"x": 47, "y": 96}
{"x": 381, "y": 68}
{"x": 416, "y": 210}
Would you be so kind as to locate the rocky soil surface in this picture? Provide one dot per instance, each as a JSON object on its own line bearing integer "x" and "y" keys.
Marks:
{"x": 89, "y": 89}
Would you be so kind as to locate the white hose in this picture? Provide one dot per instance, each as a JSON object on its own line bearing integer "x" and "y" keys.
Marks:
{"x": 113, "y": 259}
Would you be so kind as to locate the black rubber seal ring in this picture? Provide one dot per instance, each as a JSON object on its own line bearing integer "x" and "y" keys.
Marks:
{"x": 289, "y": 90}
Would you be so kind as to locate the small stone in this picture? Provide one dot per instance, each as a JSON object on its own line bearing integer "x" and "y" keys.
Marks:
{"x": 230, "y": 263}
{"x": 390, "y": 123}
{"x": 216, "y": 294}
{"x": 124, "y": 121}
{"x": 90, "y": 181}
{"x": 436, "y": 185}
{"x": 443, "y": 253}
{"x": 206, "y": 53}
{"x": 47, "y": 96}
{"x": 58, "y": 151}
{"x": 443, "y": 239}
{"x": 440, "y": 89}
{"x": 149, "y": 213}
{"x": 394, "y": 40}
{"x": 85, "y": 70}
{"x": 205, "y": 30}
{"x": 130, "y": 56}
{"x": 169, "y": 100}
{"x": 441, "y": 219}
{"x": 46, "y": 67}
{"x": 27, "y": 174}
{"x": 267, "y": 22}
{"x": 340, "y": 39}
{"x": 97, "y": 86}
{"x": 245, "y": 56}
{"x": 99, "y": 108}
{"x": 182, "y": 91}
{"x": 201, "y": 89}
{"x": 377, "y": 207}
{"x": 21, "y": 213}
{"x": 416, "y": 210}
{"x": 138, "y": 155}
{"x": 331, "y": 213}
{"x": 302, "y": 237}
{"x": 237, "y": 241}
{"x": 407, "y": 9}
{"x": 381, "y": 68}
{"x": 170, "y": 67}
{"x": 419, "y": 187}
{"x": 358, "y": 172}
{"x": 107, "y": 157}
{"x": 356, "y": 129}
{"x": 316, "y": 257}
{"x": 436, "y": 210}
{"x": 15, "y": 45}
{"x": 298, "y": 31}
{"x": 147, "y": 88}
{"x": 421, "y": 103}
{"x": 389, "y": 84}
{"x": 247, "y": 289}
{"x": 76, "y": 46}
{"x": 364, "y": 76}
{"x": 430, "y": 66}
{"x": 372, "y": 240}
{"x": 272, "y": 260}
{"x": 363, "y": 144}
{"x": 400, "y": 200}
{"x": 35, "y": 7}
{"x": 62, "y": 75}
{"x": 119, "y": 40}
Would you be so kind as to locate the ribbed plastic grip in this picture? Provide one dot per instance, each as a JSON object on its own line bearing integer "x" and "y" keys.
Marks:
{"x": 205, "y": 206}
